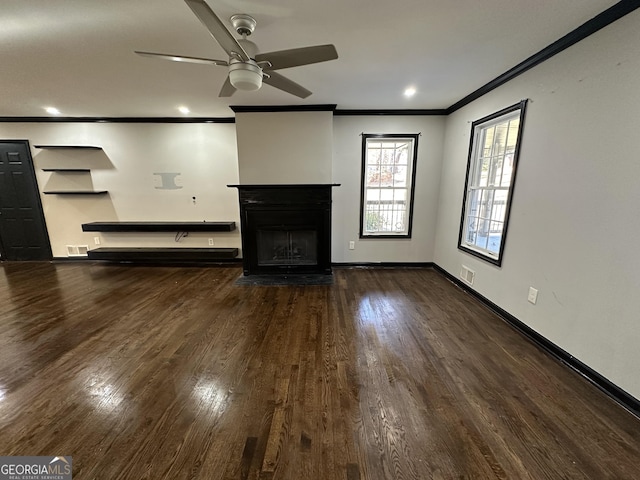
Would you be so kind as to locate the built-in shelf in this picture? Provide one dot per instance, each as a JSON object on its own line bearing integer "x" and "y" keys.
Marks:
{"x": 73, "y": 170}
{"x": 76, "y": 192}
{"x": 159, "y": 227}
{"x": 81, "y": 147}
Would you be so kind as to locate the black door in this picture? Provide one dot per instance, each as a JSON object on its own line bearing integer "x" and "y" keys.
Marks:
{"x": 23, "y": 232}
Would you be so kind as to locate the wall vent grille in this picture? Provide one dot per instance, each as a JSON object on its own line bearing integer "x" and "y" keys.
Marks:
{"x": 77, "y": 250}
{"x": 467, "y": 274}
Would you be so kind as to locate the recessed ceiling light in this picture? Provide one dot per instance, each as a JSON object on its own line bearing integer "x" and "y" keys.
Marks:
{"x": 184, "y": 110}
{"x": 410, "y": 92}
{"x": 52, "y": 110}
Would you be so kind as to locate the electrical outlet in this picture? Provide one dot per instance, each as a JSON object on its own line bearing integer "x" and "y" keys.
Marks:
{"x": 211, "y": 242}
{"x": 352, "y": 245}
{"x": 96, "y": 240}
{"x": 533, "y": 295}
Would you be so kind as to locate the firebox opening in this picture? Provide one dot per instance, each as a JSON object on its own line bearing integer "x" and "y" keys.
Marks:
{"x": 287, "y": 247}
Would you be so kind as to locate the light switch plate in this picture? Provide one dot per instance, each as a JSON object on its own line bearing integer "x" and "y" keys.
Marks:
{"x": 533, "y": 295}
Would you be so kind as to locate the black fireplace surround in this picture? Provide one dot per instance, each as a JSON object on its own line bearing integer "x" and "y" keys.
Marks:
{"x": 286, "y": 229}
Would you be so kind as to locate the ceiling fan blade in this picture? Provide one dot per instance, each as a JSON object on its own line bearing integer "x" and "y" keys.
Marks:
{"x": 227, "y": 89}
{"x": 217, "y": 29}
{"x": 283, "y": 83}
{"x": 298, "y": 56}
{"x": 182, "y": 58}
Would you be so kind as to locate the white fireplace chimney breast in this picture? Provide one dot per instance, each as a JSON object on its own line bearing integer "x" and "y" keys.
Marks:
{"x": 284, "y": 147}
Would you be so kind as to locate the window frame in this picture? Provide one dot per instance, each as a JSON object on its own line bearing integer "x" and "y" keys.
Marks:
{"x": 411, "y": 184}
{"x": 477, "y": 128}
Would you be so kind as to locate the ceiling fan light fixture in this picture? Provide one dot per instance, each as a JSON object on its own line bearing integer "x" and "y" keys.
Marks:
{"x": 245, "y": 76}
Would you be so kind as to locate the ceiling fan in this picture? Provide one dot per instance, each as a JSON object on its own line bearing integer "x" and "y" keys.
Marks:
{"x": 247, "y": 67}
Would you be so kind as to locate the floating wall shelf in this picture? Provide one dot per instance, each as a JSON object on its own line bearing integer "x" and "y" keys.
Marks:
{"x": 76, "y": 147}
{"x": 198, "y": 255}
{"x": 71, "y": 170}
{"x": 159, "y": 227}
{"x": 76, "y": 192}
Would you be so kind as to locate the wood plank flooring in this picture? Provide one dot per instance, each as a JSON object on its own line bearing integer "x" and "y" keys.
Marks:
{"x": 178, "y": 373}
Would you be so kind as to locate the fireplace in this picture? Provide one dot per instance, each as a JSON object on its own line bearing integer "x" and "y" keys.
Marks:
{"x": 286, "y": 229}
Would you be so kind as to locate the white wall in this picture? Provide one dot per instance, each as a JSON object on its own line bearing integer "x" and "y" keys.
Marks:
{"x": 574, "y": 215}
{"x": 284, "y": 147}
{"x": 204, "y": 155}
{"x": 347, "y": 170}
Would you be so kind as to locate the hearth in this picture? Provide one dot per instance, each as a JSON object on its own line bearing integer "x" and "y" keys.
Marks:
{"x": 286, "y": 229}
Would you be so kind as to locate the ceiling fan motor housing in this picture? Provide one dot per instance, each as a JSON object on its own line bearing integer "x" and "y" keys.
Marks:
{"x": 245, "y": 76}
{"x": 243, "y": 24}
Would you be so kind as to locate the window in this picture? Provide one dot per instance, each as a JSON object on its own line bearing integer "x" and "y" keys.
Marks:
{"x": 388, "y": 169}
{"x": 491, "y": 172}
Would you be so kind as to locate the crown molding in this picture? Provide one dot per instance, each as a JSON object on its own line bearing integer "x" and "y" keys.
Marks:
{"x": 421, "y": 112}
{"x": 282, "y": 108}
{"x": 118, "y": 119}
{"x": 588, "y": 28}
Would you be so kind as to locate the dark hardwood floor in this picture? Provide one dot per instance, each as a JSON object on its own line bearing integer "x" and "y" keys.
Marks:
{"x": 178, "y": 373}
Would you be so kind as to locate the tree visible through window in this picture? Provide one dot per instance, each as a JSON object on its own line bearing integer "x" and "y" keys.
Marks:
{"x": 493, "y": 155}
{"x": 388, "y": 166}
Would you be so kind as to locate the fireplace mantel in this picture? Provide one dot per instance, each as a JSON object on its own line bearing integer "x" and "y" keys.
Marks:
{"x": 283, "y": 186}
{"x": 294, "y": 217}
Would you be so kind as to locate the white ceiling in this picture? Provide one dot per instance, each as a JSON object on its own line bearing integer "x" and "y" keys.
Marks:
{"x": 77, "y": 55}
